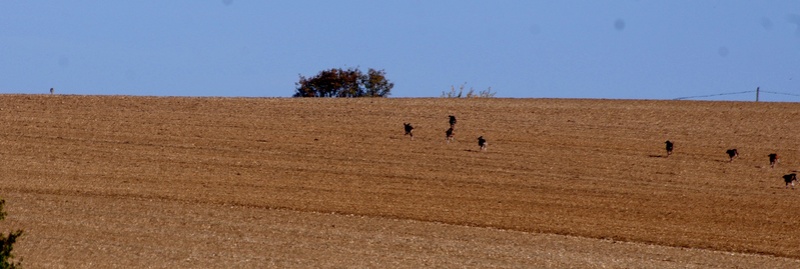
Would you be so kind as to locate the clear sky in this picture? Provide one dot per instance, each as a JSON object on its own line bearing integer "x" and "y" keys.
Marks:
{"x": 525, "y": 49}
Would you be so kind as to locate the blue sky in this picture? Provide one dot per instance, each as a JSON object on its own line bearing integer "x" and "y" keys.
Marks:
{"x": 523, "y": 49}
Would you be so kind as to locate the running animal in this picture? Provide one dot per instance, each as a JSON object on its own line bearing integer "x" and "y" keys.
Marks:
{"x": 670, "y": 146}
{"x": 482, "y": 143}
{"x": 409, "y": 130}
{"x": 452, "y": 121}
{"x": 773, "y": 159}
{"x": 733, "y": 153}
{"x": 790, "y": 179}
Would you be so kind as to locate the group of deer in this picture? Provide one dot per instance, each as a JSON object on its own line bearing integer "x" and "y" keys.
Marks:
{"x": 789, "y": 179}
{"x": 449, "y": 134}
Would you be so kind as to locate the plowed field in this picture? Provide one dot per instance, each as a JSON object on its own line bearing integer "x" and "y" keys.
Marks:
{"x": 120, "y": 181}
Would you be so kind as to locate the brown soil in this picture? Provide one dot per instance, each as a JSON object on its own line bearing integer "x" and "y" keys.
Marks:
{"x": 119, "y": 181}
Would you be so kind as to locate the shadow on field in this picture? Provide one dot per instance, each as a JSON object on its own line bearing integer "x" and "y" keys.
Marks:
{"x": 656, "y": 156}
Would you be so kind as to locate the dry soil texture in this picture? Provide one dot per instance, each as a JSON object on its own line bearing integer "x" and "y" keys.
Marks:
{"x": 165, "y": 182}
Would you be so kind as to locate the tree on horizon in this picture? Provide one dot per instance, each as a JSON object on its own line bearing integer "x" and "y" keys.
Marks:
{"x": 351, "y": 82}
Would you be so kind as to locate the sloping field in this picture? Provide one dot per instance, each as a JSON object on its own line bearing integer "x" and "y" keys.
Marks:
{"x": 117, "y": 181}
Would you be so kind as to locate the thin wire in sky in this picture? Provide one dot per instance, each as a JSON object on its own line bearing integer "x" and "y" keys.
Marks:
{"x": 712, "y": 95}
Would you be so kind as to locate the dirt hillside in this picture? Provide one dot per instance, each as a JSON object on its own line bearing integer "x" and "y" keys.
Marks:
{"x": 120, "y": 181}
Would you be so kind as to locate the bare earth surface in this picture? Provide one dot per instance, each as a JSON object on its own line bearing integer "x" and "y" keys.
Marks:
{"x": 120, "y": 181}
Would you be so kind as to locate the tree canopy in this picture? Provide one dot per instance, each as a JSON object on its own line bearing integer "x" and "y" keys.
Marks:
{"x": 7, "y": 243}
{"x": 350, "y": 82}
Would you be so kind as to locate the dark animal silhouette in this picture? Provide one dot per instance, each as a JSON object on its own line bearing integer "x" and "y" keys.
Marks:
{"x": 409, "y": 130}
{"x": 670, "y": 146}
{"x": 790, "y": 179}
{"x": 449, "y": 134}
{"x": 773, "y": 159}
{"x": 482, "y": 143}
{"x": 52, "y": 90}
{"x": 733, "y": 153}
{"x": 452, "y": 121}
